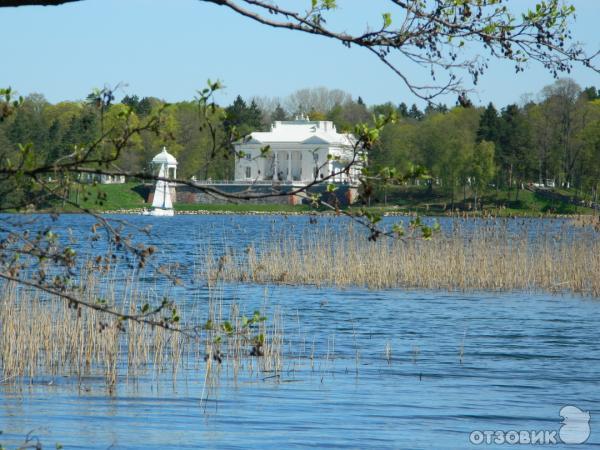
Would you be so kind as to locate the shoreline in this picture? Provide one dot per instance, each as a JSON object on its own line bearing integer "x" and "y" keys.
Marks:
{"x": 383, "y": 211}
{"x": 388, "y": 213}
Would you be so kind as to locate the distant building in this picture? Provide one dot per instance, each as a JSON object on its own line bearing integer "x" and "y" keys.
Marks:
{"x": 299, "y": 152}
{"x": 112, "y": 179}
{"x": 102, "y": 179}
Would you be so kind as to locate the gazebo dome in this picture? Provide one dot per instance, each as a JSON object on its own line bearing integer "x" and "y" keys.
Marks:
{"x": 164, "y": 157}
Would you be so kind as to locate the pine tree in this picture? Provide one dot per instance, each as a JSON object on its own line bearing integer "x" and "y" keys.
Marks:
{"x": 403, "y": 110}
{"x": 279, "y": 113}
{"x": 235, "y": 113}
{"x": 591, "y": 93}
{"x": 253, "y": 116}
{"x": 489, "y": 125}
{"x": 415, "y": 113}
{"x": 133, "y": 101}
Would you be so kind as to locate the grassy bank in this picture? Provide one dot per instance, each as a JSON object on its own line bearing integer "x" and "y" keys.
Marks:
{"x": 107, "y": 197}
{"x": 500, "y": 203}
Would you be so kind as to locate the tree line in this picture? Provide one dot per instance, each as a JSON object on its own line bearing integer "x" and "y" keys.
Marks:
{"x": 552, "y": 139}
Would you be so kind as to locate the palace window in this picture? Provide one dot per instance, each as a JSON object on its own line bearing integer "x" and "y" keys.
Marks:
{"x": 248, "y": 172}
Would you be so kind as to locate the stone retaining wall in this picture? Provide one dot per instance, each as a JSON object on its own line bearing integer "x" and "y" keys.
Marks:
{"x": 187, "y": 194}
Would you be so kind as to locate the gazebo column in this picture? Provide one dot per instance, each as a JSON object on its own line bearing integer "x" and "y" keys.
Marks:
{"x": 289, "y": 174}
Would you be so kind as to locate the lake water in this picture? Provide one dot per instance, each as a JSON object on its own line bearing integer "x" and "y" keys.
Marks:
{"x": 456, "y": 363}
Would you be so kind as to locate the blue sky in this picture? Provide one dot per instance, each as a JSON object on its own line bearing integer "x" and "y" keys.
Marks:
{"x": 168, "y": 48}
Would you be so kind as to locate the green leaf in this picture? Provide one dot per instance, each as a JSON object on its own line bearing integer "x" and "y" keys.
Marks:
{"x": 387, "y": 19}
{"x": 427, "y": 232}
{"x": 398, "y": 228}
{"x": 227, "y": 327}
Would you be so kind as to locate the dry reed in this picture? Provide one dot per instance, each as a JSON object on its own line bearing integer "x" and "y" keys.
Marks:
{"x": 41, "y": 336}
{"x": 488, "y": 257}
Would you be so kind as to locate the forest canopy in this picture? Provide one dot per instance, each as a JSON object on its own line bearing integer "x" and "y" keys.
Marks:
{"x": 554, "y": 137}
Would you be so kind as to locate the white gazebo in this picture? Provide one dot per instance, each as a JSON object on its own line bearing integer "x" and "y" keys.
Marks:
{"x": 167, "y": 162}
{"x": 300, "y": 151}
{"x": 162, "y": 204}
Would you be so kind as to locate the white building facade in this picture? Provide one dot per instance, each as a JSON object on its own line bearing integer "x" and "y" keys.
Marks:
{"x": 297, "y": 152}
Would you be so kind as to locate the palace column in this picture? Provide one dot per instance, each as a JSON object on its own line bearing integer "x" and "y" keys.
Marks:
{"x": 275, "y": 166}
{"x": 289, "y": 174}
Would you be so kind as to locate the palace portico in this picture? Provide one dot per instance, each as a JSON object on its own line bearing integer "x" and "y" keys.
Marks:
{"x": 296, "y": 152}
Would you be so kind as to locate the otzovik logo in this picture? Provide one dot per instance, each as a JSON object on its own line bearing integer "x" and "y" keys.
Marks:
{"x": 575, "y": 429}
{"x": 575, "y": 425}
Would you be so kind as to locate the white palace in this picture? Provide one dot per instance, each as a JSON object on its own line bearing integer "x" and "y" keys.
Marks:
{"x": 298, "y": 154}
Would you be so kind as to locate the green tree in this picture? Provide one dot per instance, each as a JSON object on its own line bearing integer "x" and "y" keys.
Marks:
{"x": 481, "y": 168}
{"x": 591, "y": 93}
{"x": 513, "y": 156}
{"x": 279, "y": 113}
{"x": 242, "y": 119}
{"x": 589, "y": 161}
{"x": 489, "y": 125}
{"x": 384, "y": 109}
{"x": 542, "y": 139}
{"x": 30, "y": 126}
{"x": 415, "y": 113}
{"x": 133, "y": 101}
{"x": 566, "y": 109}
{"x": 403, "y": 110}
{"x": 445, "y": 145}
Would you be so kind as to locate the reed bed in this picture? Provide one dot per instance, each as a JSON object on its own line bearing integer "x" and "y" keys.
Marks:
{"x": 483, "y": 257}
{"x": 41, "y": 336}
{"x": 589, "y": 221}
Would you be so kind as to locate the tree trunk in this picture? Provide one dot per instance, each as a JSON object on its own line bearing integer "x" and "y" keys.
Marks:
{"x": 510, "y": 179}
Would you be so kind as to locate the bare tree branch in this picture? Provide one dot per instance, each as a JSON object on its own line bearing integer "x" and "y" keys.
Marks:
{"x": 14, "y": 3}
